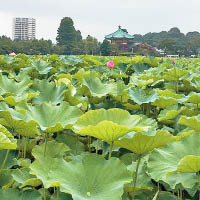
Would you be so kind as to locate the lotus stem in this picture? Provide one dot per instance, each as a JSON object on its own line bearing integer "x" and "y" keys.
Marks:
{"x": 45, "y": 144}
{"x": 97, "y": 148}
{"x": 198, "y": 179}
{"x": 24, "y": 149}
{"x": 89, "y": 142}
{"x": 110, "y": 150}
{"x": 44, "y": 194}
{"x": 76, "y": 144}
{"x": 5, "y": 160}
{"x": 58, "y": 193}
{"x": 181, "y": 194}
{"x": 136, "y": 177}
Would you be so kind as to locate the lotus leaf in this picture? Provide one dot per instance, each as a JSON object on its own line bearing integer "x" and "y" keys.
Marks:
{"x": 95, "y": 86}
{"x": 17, "y": 195}
{"x": 15, "y": 120}
{"x": 48, "y": 92}
{"x": 192, "y": 122}
{"x": 140, "y": 96}
{"x": 141, "y": 144}
{"x": 42, "y": 67}
{"x": 10, "y": 159}
{"x": 62, "y": 196}
{"x": 189, "y": 164}
{"x": 53, "y": 150}
{"x": 163, "y": 163}
{"x": 9, "y": 86}
{"x": 23, "y": 177}
{"x": 193, "y": 97}
{"x": 84, "y": 179}
{"x": 109, "y": 125}
{"x": 52, "y": 118}
{"x": 167, "y": 115}
{"x": 174, "y": 74}
{"x": 7, "y": 143}
{"x": 76, "y": 147}
{"x": 165, "y": 102}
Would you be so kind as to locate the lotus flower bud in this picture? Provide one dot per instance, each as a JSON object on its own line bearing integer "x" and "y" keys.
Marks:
{"x": 174, "y": 61}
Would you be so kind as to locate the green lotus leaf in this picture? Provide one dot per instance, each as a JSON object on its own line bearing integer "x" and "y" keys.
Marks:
{"x": 10, "y": 159}
{"x": 17, "y": 195}
{"x": 74, "y": 97}
{"x": 184, "y": 133}
{"x": 5, "y": 131}
{"x": 189, "y": 164}
{"x": 14, "y": 100}
{"x": 174, "y": 74}
{"x": 7, "y": 143}
{"x": 169, "y": 93}
{"x": 189, "y": 111}
{"x": 163, "y": 163}
{"x": 7, "y": 140}
{"x": 141, "y": 144}
{"x": 167, "y": 115}
{"x": 42, "y": 66}
{"x": 71, "y": 60}
{"x": 193, "y": 97}
{"x": 62, "y": 196}
{"x": 23, "y": 162}
{"x": 83, "y": 178}
{"x": 140, "y": 96}
{"x": 9, "y": 86}
{"x": 118, "y": 89}
{"x": 195, "y": 84}
{"x": 53, "y": 150}
{"x": 193, "y": 122}
{"x": 95, "y": 86}
{"x": 166, "y": 196}
{"x": 109, "y": 125}
{"x": 136, "y": 81}
{"x": 48, "y": 92}
{"x": 5, "y": 177}
{"x": 52, "y": 118}
{"x": 72, "y": 142}
{"x": 15, "y": 120}
{"x": 165, "y": 102}
{"x": 23, "y": 177}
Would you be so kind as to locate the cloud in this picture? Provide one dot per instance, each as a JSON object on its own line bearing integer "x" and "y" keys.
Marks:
{"x": 99, "y": 18}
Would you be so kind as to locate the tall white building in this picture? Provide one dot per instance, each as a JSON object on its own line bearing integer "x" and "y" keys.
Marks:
{"x": 24, "y": 28}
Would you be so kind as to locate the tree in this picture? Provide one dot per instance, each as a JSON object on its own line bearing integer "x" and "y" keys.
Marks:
{"x": 105, "y": 48}
{"x": 67, "y": 35}
{"x": 90, "y": 46}
{"x": 169, "y": 45}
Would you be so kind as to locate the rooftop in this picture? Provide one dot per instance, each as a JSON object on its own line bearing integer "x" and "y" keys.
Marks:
{"x": 120, "y": 33}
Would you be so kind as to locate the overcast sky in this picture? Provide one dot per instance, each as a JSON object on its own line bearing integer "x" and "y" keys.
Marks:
{"x": 101, "y": 17}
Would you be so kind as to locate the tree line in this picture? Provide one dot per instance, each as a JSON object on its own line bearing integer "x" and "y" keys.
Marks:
{"x": 70, "y": 42}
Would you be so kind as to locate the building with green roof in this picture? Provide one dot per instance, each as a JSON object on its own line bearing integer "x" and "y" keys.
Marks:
{"x": 120, "y": 37}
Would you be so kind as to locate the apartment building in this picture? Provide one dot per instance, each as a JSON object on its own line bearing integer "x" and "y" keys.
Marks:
{"x": 24, "y": 28}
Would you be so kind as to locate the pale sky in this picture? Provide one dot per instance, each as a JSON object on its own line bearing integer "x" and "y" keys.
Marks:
{"x": 101, "y": 17}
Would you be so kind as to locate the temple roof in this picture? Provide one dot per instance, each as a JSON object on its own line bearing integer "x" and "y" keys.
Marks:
{"x": 120, "y": 33}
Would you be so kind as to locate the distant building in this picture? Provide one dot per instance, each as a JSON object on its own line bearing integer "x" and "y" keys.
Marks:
{"x": 120, "y": 37}
{"x": 24, "y": 29}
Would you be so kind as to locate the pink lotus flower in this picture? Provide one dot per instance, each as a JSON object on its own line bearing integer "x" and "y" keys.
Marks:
{"x": 110, "y": 64}
{"x": 12, "y": 54}
{"x": 174, "y": 61}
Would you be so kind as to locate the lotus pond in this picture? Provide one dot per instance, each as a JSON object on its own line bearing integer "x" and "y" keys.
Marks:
{"x": 99, "y": 128}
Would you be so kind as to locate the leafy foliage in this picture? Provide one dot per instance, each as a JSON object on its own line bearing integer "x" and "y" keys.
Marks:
{"x": 71, "y": 128}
